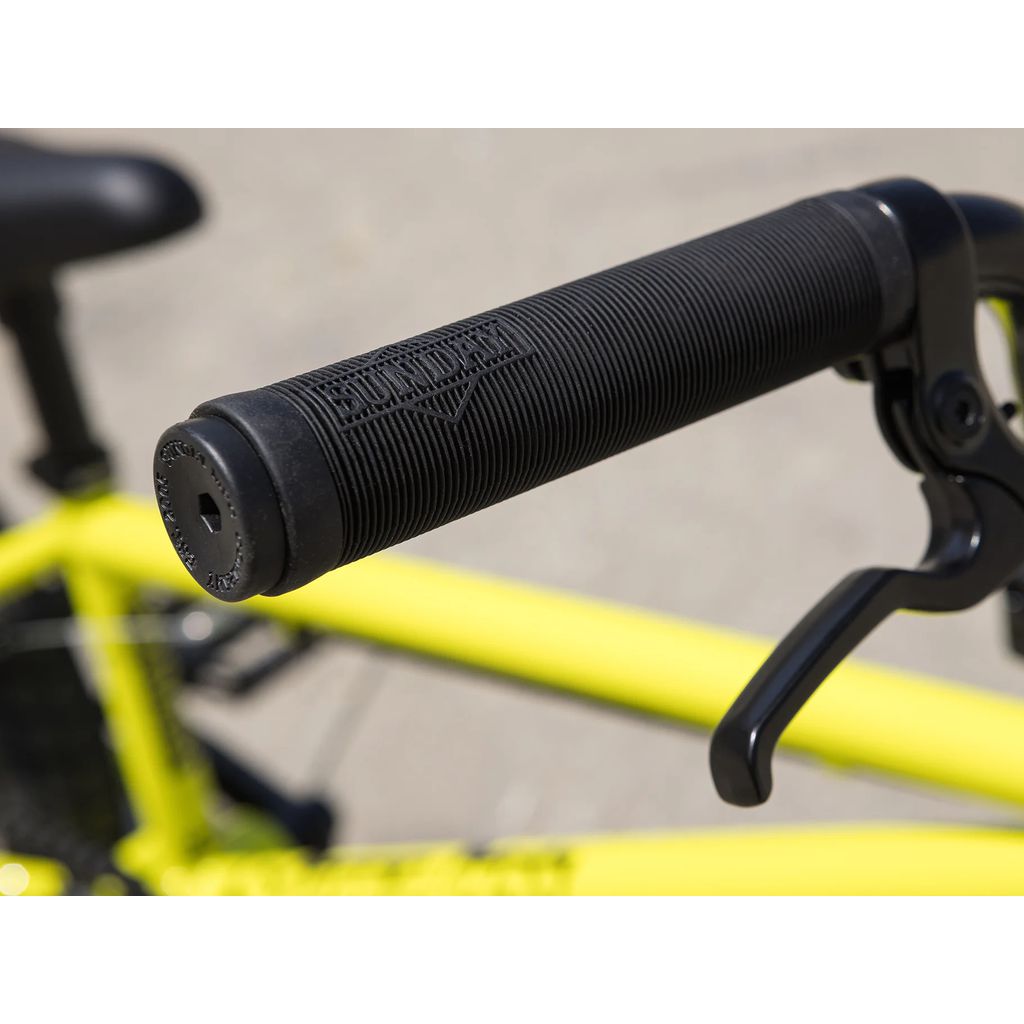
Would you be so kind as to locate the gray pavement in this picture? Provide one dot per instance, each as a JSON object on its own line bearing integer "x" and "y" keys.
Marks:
{"x": 320, "y": 245}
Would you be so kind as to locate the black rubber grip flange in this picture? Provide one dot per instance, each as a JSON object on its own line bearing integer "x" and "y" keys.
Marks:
{"x": 226, "y": 498}
{"x": 367, "y": 452}
{"x": 219, "y": 507}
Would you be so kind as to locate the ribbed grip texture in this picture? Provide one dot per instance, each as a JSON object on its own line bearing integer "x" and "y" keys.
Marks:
{"x": 430, "y": 429}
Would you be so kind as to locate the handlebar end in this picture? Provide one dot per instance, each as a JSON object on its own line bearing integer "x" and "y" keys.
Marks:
{"x": 219, "y": 508}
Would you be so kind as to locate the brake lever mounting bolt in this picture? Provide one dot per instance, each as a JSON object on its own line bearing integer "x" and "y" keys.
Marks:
{"x": 958, "y": 407}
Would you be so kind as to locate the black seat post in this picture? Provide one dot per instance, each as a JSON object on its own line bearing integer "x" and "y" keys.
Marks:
{"x": 73, "y": 460}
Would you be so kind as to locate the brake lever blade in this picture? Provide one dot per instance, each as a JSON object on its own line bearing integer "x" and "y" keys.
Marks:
{"x": 977, "y": 545}
{"x": 743, "y": 744}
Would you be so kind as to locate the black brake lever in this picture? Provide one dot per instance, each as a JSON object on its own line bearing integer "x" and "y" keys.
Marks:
{"x": 940, "y": 422}
{"x": 963, "y": 567}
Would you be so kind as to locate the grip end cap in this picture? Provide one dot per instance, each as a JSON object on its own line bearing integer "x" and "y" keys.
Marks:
{"x": 219, "y": 508}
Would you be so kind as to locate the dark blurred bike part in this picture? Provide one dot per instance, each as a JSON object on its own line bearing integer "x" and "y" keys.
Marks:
{"x": 309, "y": 821}
{"x": 234, "y": 654}
{"x": 60, "y": 791}
{"x": 57, "y": 208}
{"x": 62, "y": 206}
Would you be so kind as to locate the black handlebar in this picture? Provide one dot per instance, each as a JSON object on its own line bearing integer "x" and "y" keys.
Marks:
{"x": 265, "y": 490}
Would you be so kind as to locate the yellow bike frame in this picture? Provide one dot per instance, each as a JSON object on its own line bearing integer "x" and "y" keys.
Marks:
{"x": 108, "y": 548}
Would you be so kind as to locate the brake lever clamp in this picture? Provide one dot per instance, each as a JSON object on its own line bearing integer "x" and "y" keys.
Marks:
{"x": 941, "y": 422}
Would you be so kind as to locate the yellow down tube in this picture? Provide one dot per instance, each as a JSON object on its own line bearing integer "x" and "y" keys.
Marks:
{"x": 896, "y": 722}
{"x": 835, "y": 860}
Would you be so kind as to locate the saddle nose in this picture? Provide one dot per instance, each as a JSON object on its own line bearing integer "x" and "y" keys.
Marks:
{"x": 59, "y": 206}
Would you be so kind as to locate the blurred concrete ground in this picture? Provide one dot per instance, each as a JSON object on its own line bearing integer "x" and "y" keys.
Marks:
{"x": 320, "y": 245}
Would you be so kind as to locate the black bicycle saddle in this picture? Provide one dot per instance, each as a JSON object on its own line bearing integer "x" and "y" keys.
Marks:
{"x": 58, "y": 206}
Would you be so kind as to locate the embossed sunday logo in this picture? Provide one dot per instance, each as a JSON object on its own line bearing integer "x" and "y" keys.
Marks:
{"x": 435, "y": 376}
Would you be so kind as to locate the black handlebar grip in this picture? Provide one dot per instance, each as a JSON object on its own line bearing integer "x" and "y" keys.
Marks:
{"x": 265, "y": 490}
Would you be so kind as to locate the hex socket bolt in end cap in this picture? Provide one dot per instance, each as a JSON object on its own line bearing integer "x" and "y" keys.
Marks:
{"x": 219, "y": 508}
